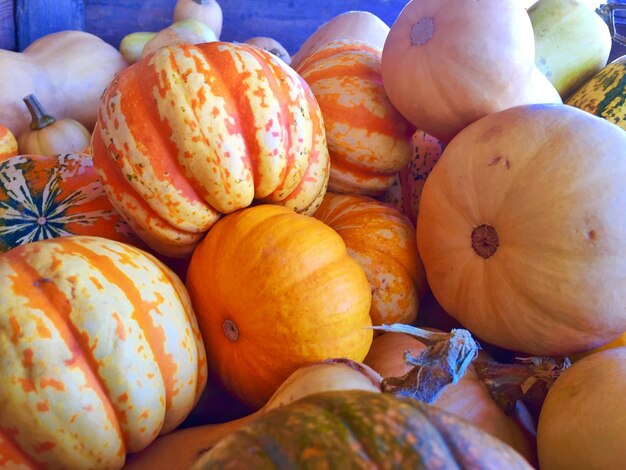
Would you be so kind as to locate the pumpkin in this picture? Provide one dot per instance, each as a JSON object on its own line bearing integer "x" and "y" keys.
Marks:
{"x": 332, "y": 374}
{"x": 406, "y": 189}
{"x": 359, "y": 429}
{"x": 101, "y": 353}
{"x": 176, "y": 150}
{"x": 49, "y": 136}
{"x": 582, "y": 421}
{"x": 274, "y": 290}
{"x": 605, "y": 93}
{"x": 616, "y": 343}
{"x": 67, "y": 70}
{"x": 132, "y": 45}
{"x": 45, "y": 197}
{"x": 446, "y": 64}
{"x": 8, "y": 144}
{"x": 207, "y": 11}
{"x": 186, "y": 31}
{"x": 382, "y": 240}
{"x": 469, "y": 398}
{"x": 572, "y": 42}
{"x": 521, "y": 230}
{"x": 368, "y": 140}
{"x": 353, "y": 25}
{"x": 270, "y": 45}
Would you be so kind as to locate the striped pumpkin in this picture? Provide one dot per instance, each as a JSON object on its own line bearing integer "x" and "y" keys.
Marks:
{"x": 100, "y": 353}
{"x": 605, "y": 94}
{"x": 8, "y": 144}
{"x": 383, "y": 241}
{"x": 368, "y": 140}
{"x": 359, "y": 429}
{"x": 45, "y": 197}
{"x": 192, "y": 132}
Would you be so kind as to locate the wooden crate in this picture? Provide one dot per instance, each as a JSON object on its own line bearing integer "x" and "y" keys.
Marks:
{"x": 288, "y": 21}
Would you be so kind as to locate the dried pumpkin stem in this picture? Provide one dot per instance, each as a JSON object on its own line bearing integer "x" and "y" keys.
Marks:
{"x": 39, "y": 117}
{"x": 527, "y": 381}
{"x": 443, "y": 362}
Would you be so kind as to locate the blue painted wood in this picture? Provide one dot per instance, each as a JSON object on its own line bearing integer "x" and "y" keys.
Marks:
{"x": 36, "y": 18}
{"x": 8, "y": 39}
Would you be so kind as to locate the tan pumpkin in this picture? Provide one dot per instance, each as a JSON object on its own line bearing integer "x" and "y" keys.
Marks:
{"x": 523, "y": 239}
{"x": 305, "y": 299}
{"x": 469, "y": 398}
{"x": 207, "y": 11}
{"x": 583, "y": 419}
{"x": 188, "y": 31}
{"x": 382, "y": 240}
{"x": 446, "y": 64}
{"x": 368, "y": 140}
{"x": 50, "y": 136}
{"x": 175, "y": 152}
{"x": 8, "y": 144}
{"x": 272, "y": 46}
{"x": 100, "y": 353}
{"x": 353, "y": 25}
{"x": 68, "y": 71}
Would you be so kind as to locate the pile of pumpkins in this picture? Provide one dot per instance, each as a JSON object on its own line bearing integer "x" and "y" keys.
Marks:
{"x": 193, "y": 228}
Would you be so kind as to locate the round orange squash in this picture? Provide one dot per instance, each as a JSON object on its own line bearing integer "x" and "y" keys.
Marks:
{"x": 274, "y": 290}
{"x": 369, "y": 141}
{"x": 8, "y": 143}
{"x": 522, "y": 233}
{"x": 382, "y": 240}
{"x": 194, "y": 131}
{"x": 100, "y": 353}
{"x": 583, "y": 418}
{"x": 45, "y": 197}
{"x": 447, "y": 63}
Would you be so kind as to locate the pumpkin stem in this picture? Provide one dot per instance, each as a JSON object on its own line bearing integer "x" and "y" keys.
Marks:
{"x": 528, "y": 380}
{"x": 202, "y": 2}
{"x": 230, "y": 330}
{"x": 443, "y": 362}
{"x": 485, "y": 240}
{"x": 39, "y": 117}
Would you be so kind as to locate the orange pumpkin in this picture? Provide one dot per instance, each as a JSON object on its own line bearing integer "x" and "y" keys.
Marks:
{"x": 521, "y": 229}
{"x": 45, "y": 197}
{"x": 100, "y": 353}
{"x": 8, "y": 143}
{"x": 382, "y": 240}
{"x": 469, "y": 398}
{"x": 191, "y": 132}
{"x": 368, "y": 140}
{"x": 446, "y": 64}
{"x": 274, "y": 290}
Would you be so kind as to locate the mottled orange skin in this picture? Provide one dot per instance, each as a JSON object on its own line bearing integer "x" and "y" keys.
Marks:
{"x": 45, "y": 197}
{"x": 191, "y": 132}
{"x": 368, "y": 139}
{"x": 382, "y": 240}
{"x": 283, "y": 286}
{"x": 8, "y": 144}
{"x": 101, "y": 353}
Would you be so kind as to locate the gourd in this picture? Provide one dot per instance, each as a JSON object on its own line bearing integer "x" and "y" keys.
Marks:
{"x": 132, "y": 44}
{"x": 50, "y": 136}
{"x": 604, "y": 94}
{"x": 67, "y": 70}
{"x": 331, "y": 374}
{"x": 283, "y": 292}
{"x": 176, "y": 151}
{"x": 207, "y": 11}
{"x": 45, "y": 197}
{"x": 101, "y": 353}
{"x": 272, "y": 46}
{"x": 359, "y": 429}
{"x": 581, "y": 424}
{"x": 8, "y": 144}
{"x": 446, "y": 64}
{"x": 368, "y": 140}
{"x": 188, "y": 31}
{"x": 382, "y": 240}
{"x": 352, "y": 25}
{"x": 526, "y": 251}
